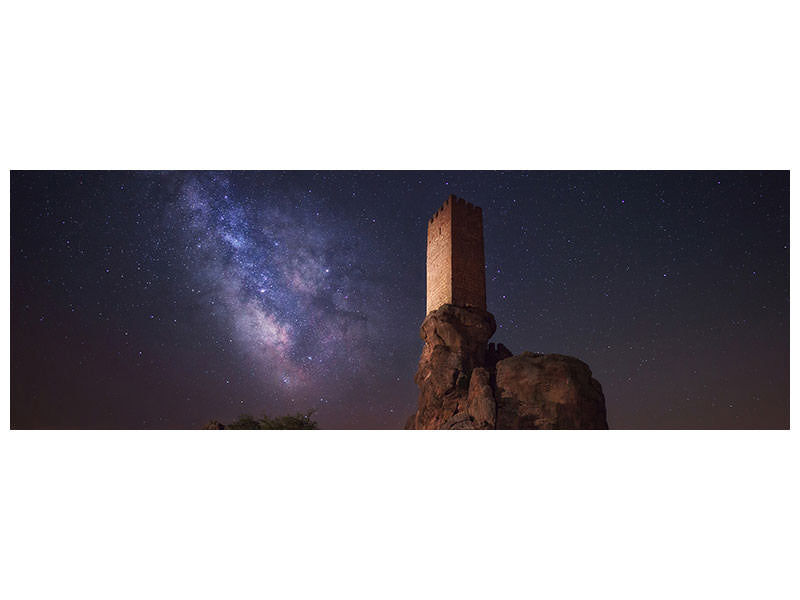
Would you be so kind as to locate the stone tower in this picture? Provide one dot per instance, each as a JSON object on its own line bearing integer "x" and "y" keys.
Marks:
{"x": 456, "y": 268}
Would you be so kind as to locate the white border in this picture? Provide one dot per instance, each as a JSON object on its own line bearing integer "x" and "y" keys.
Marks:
{"x": 578, "y": 85}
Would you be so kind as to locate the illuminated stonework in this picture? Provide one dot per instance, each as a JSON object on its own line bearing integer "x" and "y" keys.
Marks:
{"x": 455, "y": 260}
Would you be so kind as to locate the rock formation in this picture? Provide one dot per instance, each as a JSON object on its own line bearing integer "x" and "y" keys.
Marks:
{"x": 466, "y": 383}
{"x": 548, "y": 391}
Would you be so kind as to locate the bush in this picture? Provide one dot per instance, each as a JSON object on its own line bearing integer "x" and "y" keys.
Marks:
{"x": 244, "y": 422}
{"x": 295, "y": 421}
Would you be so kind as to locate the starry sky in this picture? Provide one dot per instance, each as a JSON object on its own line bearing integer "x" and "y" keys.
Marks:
{"x": 167, "y": 299}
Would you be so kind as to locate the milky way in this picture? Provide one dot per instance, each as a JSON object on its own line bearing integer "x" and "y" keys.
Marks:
{"x": 288, "y": 286}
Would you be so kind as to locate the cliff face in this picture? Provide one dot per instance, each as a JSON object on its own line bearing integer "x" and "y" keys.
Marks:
{"x": 466, "y": 383}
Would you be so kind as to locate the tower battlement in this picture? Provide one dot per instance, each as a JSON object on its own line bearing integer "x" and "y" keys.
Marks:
{"x": 455, "y": 258}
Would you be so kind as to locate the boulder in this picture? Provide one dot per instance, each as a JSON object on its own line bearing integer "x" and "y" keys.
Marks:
{"x": 460, "y": 420}
{"x": 480, "y": 399}
{"x": 548, "y": 391}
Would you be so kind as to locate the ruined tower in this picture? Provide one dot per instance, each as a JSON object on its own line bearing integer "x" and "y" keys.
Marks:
{"x": 456, "y": 272}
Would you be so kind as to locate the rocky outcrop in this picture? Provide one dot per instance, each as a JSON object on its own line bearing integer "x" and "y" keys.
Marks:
{"x": 466, "y": 383}
{"x": 455, "y": 344}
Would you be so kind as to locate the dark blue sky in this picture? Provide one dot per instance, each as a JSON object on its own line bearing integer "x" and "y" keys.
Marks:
{"x": 166, "y": 299}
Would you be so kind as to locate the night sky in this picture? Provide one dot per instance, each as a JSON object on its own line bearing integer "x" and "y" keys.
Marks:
{"x": 167, "y": 299}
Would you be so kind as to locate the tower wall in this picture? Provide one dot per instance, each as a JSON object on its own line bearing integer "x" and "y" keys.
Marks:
{"x": 439, "y": 258}
{"x": 455, "y": 257}
{"x": 468, "y": 264}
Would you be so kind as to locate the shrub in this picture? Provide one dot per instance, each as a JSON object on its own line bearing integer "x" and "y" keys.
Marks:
{"x": 295, "y": 421}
